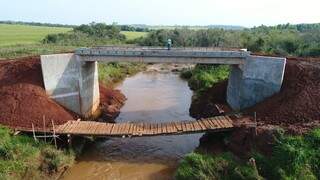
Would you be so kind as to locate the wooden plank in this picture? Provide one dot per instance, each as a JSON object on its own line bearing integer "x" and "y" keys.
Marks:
{"x": 134, "y": 130}
{"x": 73, "y": 127}
{"x": 164, "y": 128}
{"x": 208, "y": 126}
{"x": 174, "y": 128}
{"x": 230, "y": 120}
{"x": 120, "y": 129}
{"x": 219, "y": 124}
{"x": 149, "y": 129}
{"x": 213, "y": 121}
{"x": 153, "y": 127}
{"x": 109, "y": 129}
{"x": 139, "y": 128}
{"x": 196, "y": 126}
{"x": 212, "y": 125}
{"x": 201, "y": 125}
{"x": 68, "y": 129}
{"x": 184, "y": 127}
{"x": 178, "y": 126}
{"x": 158, "y": 131}
{"x": 131, "y": 126}
{"x": 127, "y": 129}
{"x": 62, "y": 127}
{"x": 224, "y": 122}
{"x": 169, "y": 128}
{"x": 188, "y": 128}
{"x": 114, "y": 129}
{"x": 93, "y": 127}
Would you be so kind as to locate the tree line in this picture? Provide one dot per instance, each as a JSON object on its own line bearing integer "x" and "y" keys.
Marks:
{"x": 297, "y": 40}
{"x": 286, "y": 39}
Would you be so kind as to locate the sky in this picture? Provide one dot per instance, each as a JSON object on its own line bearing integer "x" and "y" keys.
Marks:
{"x": 247, "y": 13}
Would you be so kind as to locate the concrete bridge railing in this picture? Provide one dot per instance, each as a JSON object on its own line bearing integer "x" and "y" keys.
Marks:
{"x": 72, "y": 79}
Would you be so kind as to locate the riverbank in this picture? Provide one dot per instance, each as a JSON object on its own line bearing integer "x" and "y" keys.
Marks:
{"x": 23, "y": 158}
{"x": 24, "y": 103}
{"x": 280, "y": 146}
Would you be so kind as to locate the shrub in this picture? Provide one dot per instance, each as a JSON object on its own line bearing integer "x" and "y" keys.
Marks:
{"x": 294, "y": 157}
{"x": 205, "y": 76}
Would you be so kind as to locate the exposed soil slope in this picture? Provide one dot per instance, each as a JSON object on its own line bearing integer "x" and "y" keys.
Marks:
{"x": 111, "y": 101}
{"x": 24, "y": 100}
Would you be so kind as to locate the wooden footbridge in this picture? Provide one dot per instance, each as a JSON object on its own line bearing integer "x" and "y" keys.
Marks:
{"x": 91, "y": 128}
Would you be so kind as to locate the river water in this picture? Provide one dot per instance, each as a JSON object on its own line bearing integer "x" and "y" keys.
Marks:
{"x": 151, "y": 97}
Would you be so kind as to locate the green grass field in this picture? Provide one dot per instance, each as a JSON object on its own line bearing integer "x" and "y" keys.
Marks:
{"x": 25, "y": 34}
{"x": 25, "y": 40}
{"x": 133, "y": 35}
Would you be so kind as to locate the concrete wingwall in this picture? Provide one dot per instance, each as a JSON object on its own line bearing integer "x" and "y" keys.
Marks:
{"x": 257, "y": 79}
{"x": 71, "y": 82}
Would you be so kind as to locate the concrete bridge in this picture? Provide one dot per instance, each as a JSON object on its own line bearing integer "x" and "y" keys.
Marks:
{"x": 72, "y": 79}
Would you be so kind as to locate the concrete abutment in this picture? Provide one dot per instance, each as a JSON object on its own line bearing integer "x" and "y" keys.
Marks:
{"x": 72, "y": 81}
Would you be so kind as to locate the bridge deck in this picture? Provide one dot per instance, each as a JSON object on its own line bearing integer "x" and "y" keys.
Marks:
{"x": 162, "y": 55}
{"x": 144, "y": 129}
{"x": 91, "y": 128}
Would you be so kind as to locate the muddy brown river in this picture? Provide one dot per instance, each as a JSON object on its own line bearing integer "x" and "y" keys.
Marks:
{"x": 151, "y": 97}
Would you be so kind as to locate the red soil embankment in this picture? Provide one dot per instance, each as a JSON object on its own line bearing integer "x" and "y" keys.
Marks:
{"x": 23, "y": 99}
{"x": 111, "y": 101}
{"x": 296, "y": 107}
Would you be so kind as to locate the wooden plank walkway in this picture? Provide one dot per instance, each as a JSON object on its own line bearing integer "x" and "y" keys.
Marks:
{"x": 91, "y": 128}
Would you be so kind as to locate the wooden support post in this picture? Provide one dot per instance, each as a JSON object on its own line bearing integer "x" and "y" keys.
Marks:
{"x": 34, "y": 133}
{"x": 44, "y": 128}
{"x": 255, "y": 123}
{"x": 54, "y": 134}
{"x": 69, "y": 141}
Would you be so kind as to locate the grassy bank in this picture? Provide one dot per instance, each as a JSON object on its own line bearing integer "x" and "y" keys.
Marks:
{"x": 203, "y": 77}
{"x": 15, "y": 51}
{"x": 23, "y": 158}
{"x": 111, "y": 73}
{"x": 294, "y": 157}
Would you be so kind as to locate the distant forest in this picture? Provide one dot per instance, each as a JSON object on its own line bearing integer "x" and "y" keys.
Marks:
{"x": 284, "y": 39}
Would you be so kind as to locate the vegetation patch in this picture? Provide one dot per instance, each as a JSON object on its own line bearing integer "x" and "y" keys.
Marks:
{"x": 23, "y": 158}
{"x": 224, "y": 166}
{"x": 110, "y": 73}
{"x": 203, "y": 77}
{"x": 14, "y": 51}
{"x": 294, "y": 157}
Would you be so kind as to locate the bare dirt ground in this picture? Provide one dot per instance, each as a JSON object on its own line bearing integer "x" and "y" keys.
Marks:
{"x": 23, "y": 99}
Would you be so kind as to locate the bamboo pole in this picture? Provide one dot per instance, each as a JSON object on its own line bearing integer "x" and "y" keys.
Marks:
{"x": 44, "y": 128}
{"x": 34, "y": 133}
{"x": 54, "y": 134}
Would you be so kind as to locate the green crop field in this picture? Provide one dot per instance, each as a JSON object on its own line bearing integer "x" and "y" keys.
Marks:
{"x": 133, "y": 35}
{"x": 26, "y": 34}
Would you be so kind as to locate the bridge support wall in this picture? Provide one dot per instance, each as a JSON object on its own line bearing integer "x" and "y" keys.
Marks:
{"x": 257, "y": 79}
{"x": 71, "y": 82}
